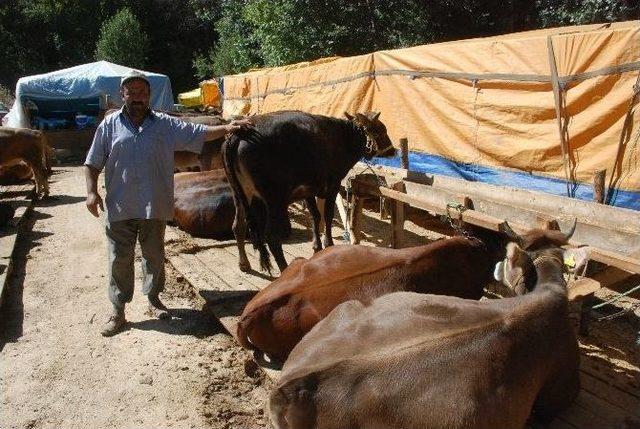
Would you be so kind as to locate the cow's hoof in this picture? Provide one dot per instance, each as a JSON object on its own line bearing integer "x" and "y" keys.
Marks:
{"x": 244, "y": 267}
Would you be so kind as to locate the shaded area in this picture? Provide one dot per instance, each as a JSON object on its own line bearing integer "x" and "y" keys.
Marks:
{"x": 12, "y": 311}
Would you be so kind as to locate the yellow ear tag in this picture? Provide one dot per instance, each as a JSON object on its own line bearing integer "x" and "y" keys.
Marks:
{"x": 569, "y": 260}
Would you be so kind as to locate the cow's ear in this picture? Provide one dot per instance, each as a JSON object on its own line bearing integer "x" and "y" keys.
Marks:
{"x": 575, "y": 259}
{"x": 349, "y": 117}
{"x": 514, "y": 253}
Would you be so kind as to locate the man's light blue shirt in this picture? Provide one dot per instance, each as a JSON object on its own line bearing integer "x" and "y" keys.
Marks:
{"x": 138, "y": 163}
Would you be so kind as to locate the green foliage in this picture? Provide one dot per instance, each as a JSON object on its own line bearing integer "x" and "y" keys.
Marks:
{"x": 236, "y": 49}
{"x": 573, "y": 12}
{"x": 217, "y": 37}
{"x": 122, "y": 41}
{"x": 6, "y": 96}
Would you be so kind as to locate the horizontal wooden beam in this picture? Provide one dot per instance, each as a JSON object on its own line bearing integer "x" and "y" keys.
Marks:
{"x": 473, "y": 217}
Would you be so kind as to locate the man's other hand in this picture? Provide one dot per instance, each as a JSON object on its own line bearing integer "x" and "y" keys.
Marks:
{"x": 93, "y": 202}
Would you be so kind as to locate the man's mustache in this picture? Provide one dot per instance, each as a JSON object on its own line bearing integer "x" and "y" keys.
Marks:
{"x": 137, "y": 103}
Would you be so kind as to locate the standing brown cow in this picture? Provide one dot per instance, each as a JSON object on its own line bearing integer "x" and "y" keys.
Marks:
{"x": 30, "y": 146}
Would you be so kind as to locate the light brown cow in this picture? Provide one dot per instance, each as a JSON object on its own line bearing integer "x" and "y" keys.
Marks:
{"x": 30, "y": 146}
{"x": 282, "y": 313}
{"x": 426, "y": 361}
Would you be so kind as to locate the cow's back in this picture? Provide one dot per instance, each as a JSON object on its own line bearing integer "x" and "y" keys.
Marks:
{"x": 282, "y": 313}
{"x": 294, "y": 153}
{"x": 415, "y": 361}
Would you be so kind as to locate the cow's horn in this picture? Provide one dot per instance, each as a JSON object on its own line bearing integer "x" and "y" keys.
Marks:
{"x": 349, "y": 117}
{"x": 569, "y": 234}
{"x": 375, "y": 116}
{"x": 504, "y": 227}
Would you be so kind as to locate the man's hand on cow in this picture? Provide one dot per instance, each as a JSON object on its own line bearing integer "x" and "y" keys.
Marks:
{"x": 239, "y": 124}
{"x": 93, "y": 202}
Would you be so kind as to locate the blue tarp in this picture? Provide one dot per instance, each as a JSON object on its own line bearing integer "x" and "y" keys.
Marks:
{"x": 83, "y": 82}
{"x": 434, "y": 164}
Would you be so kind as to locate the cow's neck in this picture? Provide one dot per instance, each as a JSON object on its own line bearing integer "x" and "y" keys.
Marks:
{"x": 549, "y": 273}
{"x": 358, "y": 140}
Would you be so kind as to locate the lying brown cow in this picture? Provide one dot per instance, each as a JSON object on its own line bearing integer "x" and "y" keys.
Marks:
{"x": 275, "y": 320}
{"x": 426, "y": 361}
{"x": 30, "y": 146}
{"x": 203, "y": 204}
{"x": 210, "y": 158}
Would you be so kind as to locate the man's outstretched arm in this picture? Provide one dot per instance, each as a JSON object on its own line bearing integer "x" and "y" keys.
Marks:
{"x": 219, "y": 131}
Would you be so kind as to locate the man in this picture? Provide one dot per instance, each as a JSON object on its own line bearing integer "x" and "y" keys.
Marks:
{"x": 135, "y": 147}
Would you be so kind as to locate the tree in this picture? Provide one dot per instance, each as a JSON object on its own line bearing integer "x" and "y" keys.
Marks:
{"x": 236, "y": 50}
{"x": 574, "y": 12}
{"x": 122, "y": 41}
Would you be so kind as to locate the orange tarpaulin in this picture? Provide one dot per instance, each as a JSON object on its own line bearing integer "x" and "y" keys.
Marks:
{"x": 544, "y": 109}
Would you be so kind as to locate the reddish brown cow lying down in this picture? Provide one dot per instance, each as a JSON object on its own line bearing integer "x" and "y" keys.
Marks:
{"x": 30, "y": 146}
{"x": 275, "y": 320}
{"x": 426, "y": 361}
{"x": 203, "y": 204}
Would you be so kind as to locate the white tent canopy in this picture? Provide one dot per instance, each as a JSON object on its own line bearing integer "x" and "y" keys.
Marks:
{"x": 83, "y": 81}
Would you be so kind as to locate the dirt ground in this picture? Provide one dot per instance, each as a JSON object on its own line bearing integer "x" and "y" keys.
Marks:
{"x": 57, "y": 371}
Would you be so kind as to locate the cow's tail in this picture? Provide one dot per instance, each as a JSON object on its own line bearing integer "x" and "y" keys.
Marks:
{"x": 256, "y": 211}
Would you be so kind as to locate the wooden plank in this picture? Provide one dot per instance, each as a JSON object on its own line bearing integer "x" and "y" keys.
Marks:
{"x": 583, "y": 413}
{"x": 489, "y": 222}
{"x": 581, "y": 288}
{"x": 587, "y": 411}
{"x": 609, "y": 217}
{"x": 397, "y": 219}
{"x": 224, "y": 265}
{"x": 186, "y": 265}
{"x": 617, "y": 260}
{"x": 76, "y": 140}
{"x": 605, "y": 372}
{"x": 610, "y": 393}
{"x": 342, "y": 211}
{"x": 610, "y": 276}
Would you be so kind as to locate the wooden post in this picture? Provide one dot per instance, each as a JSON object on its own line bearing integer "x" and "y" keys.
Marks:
{"x": 397, "y": 219}
{"x": 546, "y": 222}
{"x": 404, "y": 153}
{"x": 356, "y": 203}
{"x": 598, "y": 186}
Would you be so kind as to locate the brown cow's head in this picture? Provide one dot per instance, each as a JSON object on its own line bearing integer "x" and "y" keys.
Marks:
{"x": 539, "y": 238}
{"x": 378, "y": 141}
{"x": 518, "y": 269}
